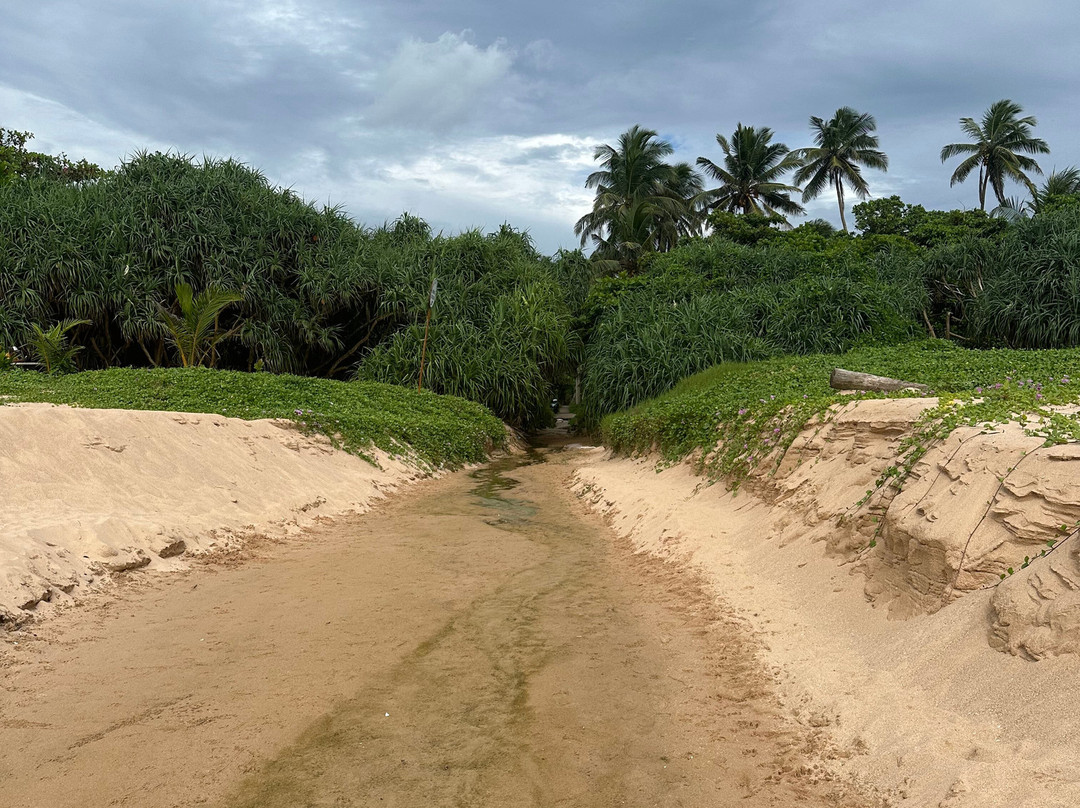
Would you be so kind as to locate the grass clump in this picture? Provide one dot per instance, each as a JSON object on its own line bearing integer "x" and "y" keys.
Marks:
{"x": 737, "y": 416}
{"x": 434, "y": 430}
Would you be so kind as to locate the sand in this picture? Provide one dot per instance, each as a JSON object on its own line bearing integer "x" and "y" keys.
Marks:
{"x": 92, "y": 493}
{"x": 481, "y": 641}
{"x": 875, "y": 647}
{"x": 875, "y": 643}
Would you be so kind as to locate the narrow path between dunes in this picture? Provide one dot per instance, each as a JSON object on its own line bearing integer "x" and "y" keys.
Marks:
{"x": 481, "y": 641}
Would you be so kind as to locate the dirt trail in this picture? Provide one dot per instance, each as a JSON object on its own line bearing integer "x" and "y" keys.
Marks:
{"x": 482, "y": 641}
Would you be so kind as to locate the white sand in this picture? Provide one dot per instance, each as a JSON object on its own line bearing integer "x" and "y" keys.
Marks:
{"x": 87, "y": 492}
{"x": 917, "y": 694}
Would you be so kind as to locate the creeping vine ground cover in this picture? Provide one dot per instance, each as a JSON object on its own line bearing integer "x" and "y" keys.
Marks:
{"x": 738, "y": 416}
{"x": 436, "y": 430}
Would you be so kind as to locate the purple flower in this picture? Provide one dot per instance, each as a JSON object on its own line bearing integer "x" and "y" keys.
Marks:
{"x": 1039, "y": 396}
{"x": 299, "y": 412}
{"x": 776, "y": 430}
{"x": 771, "y": 398}
{"x": 978, "y": 389}
{"x": 742, "y": 411}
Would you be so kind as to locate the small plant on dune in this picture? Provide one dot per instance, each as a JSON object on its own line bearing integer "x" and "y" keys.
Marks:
{"x": 52, "y": 349}
{"x": 194, "y": 332}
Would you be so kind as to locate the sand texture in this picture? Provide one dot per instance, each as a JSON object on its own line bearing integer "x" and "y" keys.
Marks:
{"x": 91, "y": 493}
{"x": 896, "y": 647}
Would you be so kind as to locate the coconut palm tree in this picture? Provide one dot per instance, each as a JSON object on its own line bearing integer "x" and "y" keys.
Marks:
{"x": 641, "y": 199}
{"x": 750, "y": 177}
{"x": 1063, "y": 182}
{"x": 844, "y": 144}
{"x": 1001, "y": 143}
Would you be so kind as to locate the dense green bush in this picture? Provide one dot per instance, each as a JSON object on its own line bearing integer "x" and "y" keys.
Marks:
{"x": 112, "y": 252}
{"x": 502, "y": 332}
{"x": 310, "y": 292}
{"x": 713, "y": 301}
{"x": 1020, "y": 292}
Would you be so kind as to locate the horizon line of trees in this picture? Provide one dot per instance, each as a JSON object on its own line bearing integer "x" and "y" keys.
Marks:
{"x": 645, "y": 204}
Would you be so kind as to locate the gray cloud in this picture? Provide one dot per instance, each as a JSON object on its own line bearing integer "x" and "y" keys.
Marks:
{"x": 471, "y": 113}
{"x": 436, "y": 85}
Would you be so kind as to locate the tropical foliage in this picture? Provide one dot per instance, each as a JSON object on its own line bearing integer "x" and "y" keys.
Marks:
{"x": 18, "y": 162}
{"x": 750, "y": 175}
{"x": 843, "y": 145}
{"x": 999, "y": 150}
{"x": 177, "y": 261}
{"x": 643, "y": 204}
{"x": 168, "y": 261}
{"x": 713, "y": 301}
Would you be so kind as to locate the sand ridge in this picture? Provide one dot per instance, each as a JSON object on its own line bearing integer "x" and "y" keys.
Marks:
{"x": 89, "y": 493}
{"x": 872, "y": 641}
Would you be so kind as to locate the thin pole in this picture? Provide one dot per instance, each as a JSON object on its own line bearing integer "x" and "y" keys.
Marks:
{"x": 423, "y": 350}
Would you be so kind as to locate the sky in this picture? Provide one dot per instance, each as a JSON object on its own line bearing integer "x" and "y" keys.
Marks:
{"x": 470, "y": 114}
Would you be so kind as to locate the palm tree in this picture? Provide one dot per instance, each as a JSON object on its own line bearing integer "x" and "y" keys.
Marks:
{"x": 642, "y": 202}
{"x": 844, "y": 142}
{"x": 194, "y": 332}
{"x": 999, "y": 148}
{"x": 1065, "y": 182}
{"x": 749, "y": 178}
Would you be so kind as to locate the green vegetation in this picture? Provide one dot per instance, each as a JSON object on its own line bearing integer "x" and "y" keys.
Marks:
{"x": 435, "y": 430}
{"x": 1000, "y": 148}
{"x": 713, "y": 301}
{"x": 740, "y": 416}
{"x": 503, "y": 330}
{"x": 842, "y": 145}
{"x": 18, "y": 162}
{"x": 642, "y": 203}
{"x": 171, "y": 262}
{"x": 167, "y": 261}
{"x": 750, "y": 176}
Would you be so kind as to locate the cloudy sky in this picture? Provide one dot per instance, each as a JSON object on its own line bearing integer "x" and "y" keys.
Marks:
{"x": 472, "y": 113}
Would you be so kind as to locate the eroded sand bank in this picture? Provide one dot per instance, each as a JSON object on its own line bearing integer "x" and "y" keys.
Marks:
{"x": 87, "y": 493}
{"x": 912, "y": 674}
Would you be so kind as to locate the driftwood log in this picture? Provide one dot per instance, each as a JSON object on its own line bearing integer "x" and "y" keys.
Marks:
{"x": 851, "y": 380}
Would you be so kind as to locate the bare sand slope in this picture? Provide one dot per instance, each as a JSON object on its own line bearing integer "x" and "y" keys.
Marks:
{"x": 483, "y": 641}
{"x": 875, "y": 642}
{"x": 90, "y": 492}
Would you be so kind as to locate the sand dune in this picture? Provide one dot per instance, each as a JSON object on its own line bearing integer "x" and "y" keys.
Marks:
{"x": 88, "y": 493}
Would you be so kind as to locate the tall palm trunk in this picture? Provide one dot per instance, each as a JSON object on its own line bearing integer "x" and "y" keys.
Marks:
{"x": 984, "y": 177}
{"x": 840, "y": 200}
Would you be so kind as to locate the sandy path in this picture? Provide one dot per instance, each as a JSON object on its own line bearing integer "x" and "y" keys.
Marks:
{"x": 463, "y": 645}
